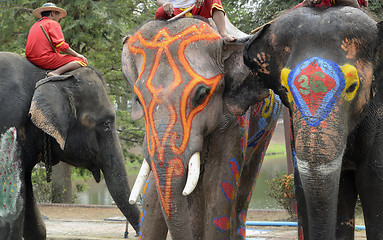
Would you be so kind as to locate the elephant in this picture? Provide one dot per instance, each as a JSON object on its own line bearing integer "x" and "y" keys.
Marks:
{"x": 326, "y": 66}
{"x": 65, "y": 118}
{"x": 200, "y": 161}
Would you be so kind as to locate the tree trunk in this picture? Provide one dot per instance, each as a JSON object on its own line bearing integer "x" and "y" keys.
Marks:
{"x": 61, "y": 183}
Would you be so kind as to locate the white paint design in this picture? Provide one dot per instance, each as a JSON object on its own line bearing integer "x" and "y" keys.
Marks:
{"x": 10, "y": 172}
{"x": 323, "y": 169}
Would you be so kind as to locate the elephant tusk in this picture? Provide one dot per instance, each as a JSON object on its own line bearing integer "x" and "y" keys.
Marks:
{"x": 193, "y": 174}
{"x": 140, "y": 182}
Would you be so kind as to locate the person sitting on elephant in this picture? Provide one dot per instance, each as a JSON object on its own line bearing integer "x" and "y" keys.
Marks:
{"x": 46, "y": 40}
{"x": 205, "y": 8}
{"x": 330, "y": 3}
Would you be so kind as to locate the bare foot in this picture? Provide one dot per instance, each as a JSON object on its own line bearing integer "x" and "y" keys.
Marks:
{"x": 51, "y": 74}
{"x": 228, "y": 37}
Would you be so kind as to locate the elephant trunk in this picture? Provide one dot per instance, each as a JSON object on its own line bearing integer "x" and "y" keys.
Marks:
{"x": 319, "y": 154}
{"x": 174, "y": 182}
{"x": 178, "y": 221}
{"x": 116, "y": 179}
{"x": 320, "y": 185}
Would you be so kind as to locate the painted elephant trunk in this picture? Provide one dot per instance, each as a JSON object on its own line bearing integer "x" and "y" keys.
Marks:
{"x": 319, "y": 160}
{"x": 174, "y": 180}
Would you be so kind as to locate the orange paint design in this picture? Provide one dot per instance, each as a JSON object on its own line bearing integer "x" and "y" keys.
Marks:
{"x": 161, "y": 43}
{"x": 350, "y": 46}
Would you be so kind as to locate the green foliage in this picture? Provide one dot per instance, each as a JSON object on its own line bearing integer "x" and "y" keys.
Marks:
{"x": 250, "y": 14}
{"x": 282, "y": 190}
{"x": 376, "y": 8}
{"x": 42, "y": 190}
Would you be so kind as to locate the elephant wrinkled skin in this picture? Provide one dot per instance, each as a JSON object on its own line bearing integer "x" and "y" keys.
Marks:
{"x": 70, "y": 113}
{"x": 326, "y": 65}
{"x": 180, "y": 72}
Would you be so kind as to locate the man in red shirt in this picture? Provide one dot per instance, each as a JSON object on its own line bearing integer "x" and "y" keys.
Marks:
{"x": 46, "y": 40}
{"x": 205, "y": 8}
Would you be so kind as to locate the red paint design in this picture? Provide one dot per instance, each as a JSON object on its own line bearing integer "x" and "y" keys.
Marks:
{"x": 242, "y": 232}
{"x": 234, "y": 169}
{"x": 161, "y": 44}
{"x": 313, "y": 84}
{"x": 228, "y": 190}
{"x": 300, "y": 234}
{"x": 257, "y": 108}
{"x": 222, "y": 223}
{"x": 242, "y": 217}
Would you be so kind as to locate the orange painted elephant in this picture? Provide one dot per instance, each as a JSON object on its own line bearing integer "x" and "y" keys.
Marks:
{"x": 201, "y": 161}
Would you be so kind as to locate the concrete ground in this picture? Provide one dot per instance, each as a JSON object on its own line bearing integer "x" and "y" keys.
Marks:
{"x": 79, "y": 222}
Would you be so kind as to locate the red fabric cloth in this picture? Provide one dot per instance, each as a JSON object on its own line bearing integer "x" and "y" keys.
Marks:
{"x": 205, "y": 11}
{"x": 40, "y": 52}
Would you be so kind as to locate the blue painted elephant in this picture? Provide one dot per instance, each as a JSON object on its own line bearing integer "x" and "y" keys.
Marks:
{"x": 326, "y": 65}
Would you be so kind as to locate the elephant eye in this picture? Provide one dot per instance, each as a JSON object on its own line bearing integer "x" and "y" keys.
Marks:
{"x": 352, "y": 87}
{"x": 200, "y": 95}
{"x": 107, "y": 125}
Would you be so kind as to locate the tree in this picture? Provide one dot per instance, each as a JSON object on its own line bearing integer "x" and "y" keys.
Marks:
{"x": 250, "y": 14}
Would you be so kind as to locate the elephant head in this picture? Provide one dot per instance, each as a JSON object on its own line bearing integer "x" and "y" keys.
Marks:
{"x": 321, "y": 63}
{"x": 76, "y": 112}
{"x": 180, "y": 72}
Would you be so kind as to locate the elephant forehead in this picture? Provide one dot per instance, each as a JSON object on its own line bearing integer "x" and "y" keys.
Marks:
{"x": 310, "y": 29}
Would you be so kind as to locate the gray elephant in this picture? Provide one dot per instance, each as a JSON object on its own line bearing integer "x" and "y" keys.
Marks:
{"x": 326, "y": 65}
{"x": 65, "y": 118}
{"x": 203, "y": 160}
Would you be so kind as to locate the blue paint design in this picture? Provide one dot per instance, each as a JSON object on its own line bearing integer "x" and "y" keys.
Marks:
{"x": 142, "y": 217}
{"x": 332, "y": 70}
{"x": 277, "y": 106}
{"x": 253, "y": 141}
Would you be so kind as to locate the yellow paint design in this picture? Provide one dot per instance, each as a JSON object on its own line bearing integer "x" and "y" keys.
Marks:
{"x": 284, "y": 78}
{"x": 351, "y": 77}
{"x": 268, "y": 105}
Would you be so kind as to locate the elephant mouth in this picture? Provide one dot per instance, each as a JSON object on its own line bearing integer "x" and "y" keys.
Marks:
{"x": 191, "y": 182}
{"x": 96, "y": 174}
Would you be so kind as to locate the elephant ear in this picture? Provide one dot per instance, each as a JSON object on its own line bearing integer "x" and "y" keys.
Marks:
{"x": 264, "y": 61}
{"x": 241, "y": 88}
{"x": 52, "y": 107}
{"x": 379, "y": 60}
{"x": 131, "y": 74}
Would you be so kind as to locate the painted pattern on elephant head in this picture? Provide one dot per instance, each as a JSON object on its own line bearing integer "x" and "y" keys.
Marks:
{"x": 316, "y": 84}
{"x": 9, "y": 172}
{"x": 161, "y": 96}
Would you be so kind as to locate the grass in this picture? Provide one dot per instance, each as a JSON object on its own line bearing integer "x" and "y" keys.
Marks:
{"x": 276, "y": 149}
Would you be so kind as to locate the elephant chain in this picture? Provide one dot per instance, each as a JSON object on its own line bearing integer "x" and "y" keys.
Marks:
{"x": 48, "y": 157}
